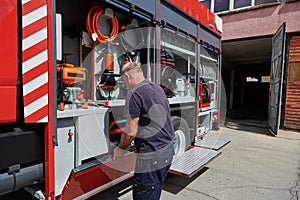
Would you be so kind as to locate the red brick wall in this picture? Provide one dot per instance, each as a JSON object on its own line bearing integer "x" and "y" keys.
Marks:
{"x": 292, "y": 108}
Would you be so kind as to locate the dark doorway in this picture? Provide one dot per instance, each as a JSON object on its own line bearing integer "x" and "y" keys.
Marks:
{"x": 247, "y": 80}
{"x": 251, "y": 89}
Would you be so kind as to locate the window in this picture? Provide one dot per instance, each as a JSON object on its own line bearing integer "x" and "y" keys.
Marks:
{"x": 226, "y": 5}
{"x": 258, "y": 2}
{"x": 251, "y": 79}
{"x": 207, "y": 3}
{"x": 221, "y": 5}
{"x": 241, "y": 3}
{"x": 265, "y": 79}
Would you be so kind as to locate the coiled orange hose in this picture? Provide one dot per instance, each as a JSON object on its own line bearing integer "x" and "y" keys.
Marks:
{"x": 92, "y": 25}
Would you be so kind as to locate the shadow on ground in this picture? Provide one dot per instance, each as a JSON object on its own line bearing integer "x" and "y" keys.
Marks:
{"x": 115, "y": 192}
{"x": 18, "y": 195}
{"x": 248, "y": 119}
{"x": 175, "y": 183}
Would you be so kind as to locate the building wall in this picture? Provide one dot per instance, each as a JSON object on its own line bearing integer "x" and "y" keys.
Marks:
{"x": 292, "y": 105}
{"x": 263, "y": 21}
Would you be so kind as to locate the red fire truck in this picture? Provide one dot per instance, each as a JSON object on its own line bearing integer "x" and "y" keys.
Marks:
{"x": 62, "y": 96}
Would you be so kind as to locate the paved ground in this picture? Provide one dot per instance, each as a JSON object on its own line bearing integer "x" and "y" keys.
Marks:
{"x": 252, "y": 166}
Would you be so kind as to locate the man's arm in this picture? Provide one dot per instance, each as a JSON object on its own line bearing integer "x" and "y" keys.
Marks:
{"x": 127, "y": 136}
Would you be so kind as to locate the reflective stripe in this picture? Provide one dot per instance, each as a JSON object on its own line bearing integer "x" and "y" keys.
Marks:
{"x": 35, "y": 60}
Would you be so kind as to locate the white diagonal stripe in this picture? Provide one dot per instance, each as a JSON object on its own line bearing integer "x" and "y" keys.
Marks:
{"x": 36, "y": 105}
{"x": 45, "y": 119}
{"x": 34, "y": 39}
{"x": 34, "y": 16}
{"x": 35, "y": 61}
{"x": 35, "y": 83}
{"x": 25, "y": 1}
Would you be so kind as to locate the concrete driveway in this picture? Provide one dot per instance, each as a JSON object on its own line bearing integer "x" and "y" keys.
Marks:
{"x": 253, "y": 165}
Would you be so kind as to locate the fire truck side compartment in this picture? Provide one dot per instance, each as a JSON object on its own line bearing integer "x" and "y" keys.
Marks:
{"x": 8, "y": 61}
{"x": 21, "y": 162}
{"x": 82, "y": 134}
{"x": 145, "y": 5}
{"x": 178, "y": 20}
{"x": 20, "y": 148}
{"x": 210, "y": 38}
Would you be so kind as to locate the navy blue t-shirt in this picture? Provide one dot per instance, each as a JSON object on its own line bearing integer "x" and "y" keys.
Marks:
{"x": 148, "y": 101}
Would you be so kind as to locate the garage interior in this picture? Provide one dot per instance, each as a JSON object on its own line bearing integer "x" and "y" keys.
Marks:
{"x": 246, "y": 77}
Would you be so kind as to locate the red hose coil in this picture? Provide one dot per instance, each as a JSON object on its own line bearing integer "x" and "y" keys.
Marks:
{"x": 92, "y": 25}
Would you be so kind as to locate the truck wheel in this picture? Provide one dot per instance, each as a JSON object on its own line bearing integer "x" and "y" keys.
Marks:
{"x": 182, "y": 135}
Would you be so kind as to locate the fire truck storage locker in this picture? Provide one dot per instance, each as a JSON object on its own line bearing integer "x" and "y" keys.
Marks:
{"x": 64, "y": 95}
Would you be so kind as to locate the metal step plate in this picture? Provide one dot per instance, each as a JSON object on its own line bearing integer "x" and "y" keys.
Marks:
{"x": 211, "y": 143}
{"x": 191, "y": 161}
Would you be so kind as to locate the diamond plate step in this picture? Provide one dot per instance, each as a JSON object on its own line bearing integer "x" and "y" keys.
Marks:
{"x": 192, "y": 161}
{"x": 211, "y": 143}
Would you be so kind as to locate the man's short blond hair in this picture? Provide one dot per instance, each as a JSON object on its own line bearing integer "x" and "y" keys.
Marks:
{"x": 136, "y": 66}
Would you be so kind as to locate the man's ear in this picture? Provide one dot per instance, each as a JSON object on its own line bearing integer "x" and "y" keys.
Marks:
{"x": 127, "y": 75}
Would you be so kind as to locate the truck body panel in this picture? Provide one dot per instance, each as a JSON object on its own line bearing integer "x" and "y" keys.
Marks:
{"x": 62, "y": 92}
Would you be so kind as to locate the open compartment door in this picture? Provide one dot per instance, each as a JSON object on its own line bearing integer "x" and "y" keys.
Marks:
{"x": 276, "y": 80}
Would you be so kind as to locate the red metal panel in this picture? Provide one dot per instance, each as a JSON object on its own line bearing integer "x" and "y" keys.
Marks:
{"x": 37, "y": 76}
{"x": 50, "y": 128}
{"x": 198, "y": 11}
{"x": 158, "y": 34}
{"x": 220, "y": 85}
{"x": 8, "y": 61}
{"x": 35, "y": 60}
{"x": 86, "y": 183}
{"x": 198, "y": 81}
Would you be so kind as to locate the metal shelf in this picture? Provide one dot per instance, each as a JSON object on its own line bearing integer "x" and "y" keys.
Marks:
{"x": 179, "y": 49}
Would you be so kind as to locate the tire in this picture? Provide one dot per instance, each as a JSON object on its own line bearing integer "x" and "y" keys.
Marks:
{"x": 182, "y": 135}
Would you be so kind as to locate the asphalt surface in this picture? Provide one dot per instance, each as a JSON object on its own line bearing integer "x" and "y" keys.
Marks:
{"x": 254, "y": 165}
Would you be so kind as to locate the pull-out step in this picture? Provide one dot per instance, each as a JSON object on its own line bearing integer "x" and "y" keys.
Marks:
{"x": 211, "y": 143}
{"x": 192, "y": 161}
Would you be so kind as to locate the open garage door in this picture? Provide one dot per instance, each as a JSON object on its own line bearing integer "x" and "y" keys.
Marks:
{"x": 276, "y": 79}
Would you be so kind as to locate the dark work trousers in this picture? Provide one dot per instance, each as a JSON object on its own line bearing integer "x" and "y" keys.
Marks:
{"x": 148, "y": 185}
{"x": 150, "y": 175}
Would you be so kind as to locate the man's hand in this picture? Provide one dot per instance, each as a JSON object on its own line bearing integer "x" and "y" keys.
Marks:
{"x": 127, "y": 136}
{"x": 118, "y": 153}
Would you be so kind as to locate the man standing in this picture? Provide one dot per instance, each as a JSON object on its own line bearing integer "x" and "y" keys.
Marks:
{"x": 149, "y": 125}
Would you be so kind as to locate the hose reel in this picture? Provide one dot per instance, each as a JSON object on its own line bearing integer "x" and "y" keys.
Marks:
{"x": 93, "y": 28}
{"x": 96, "y": 30}
{"x": 205, "y": 91}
